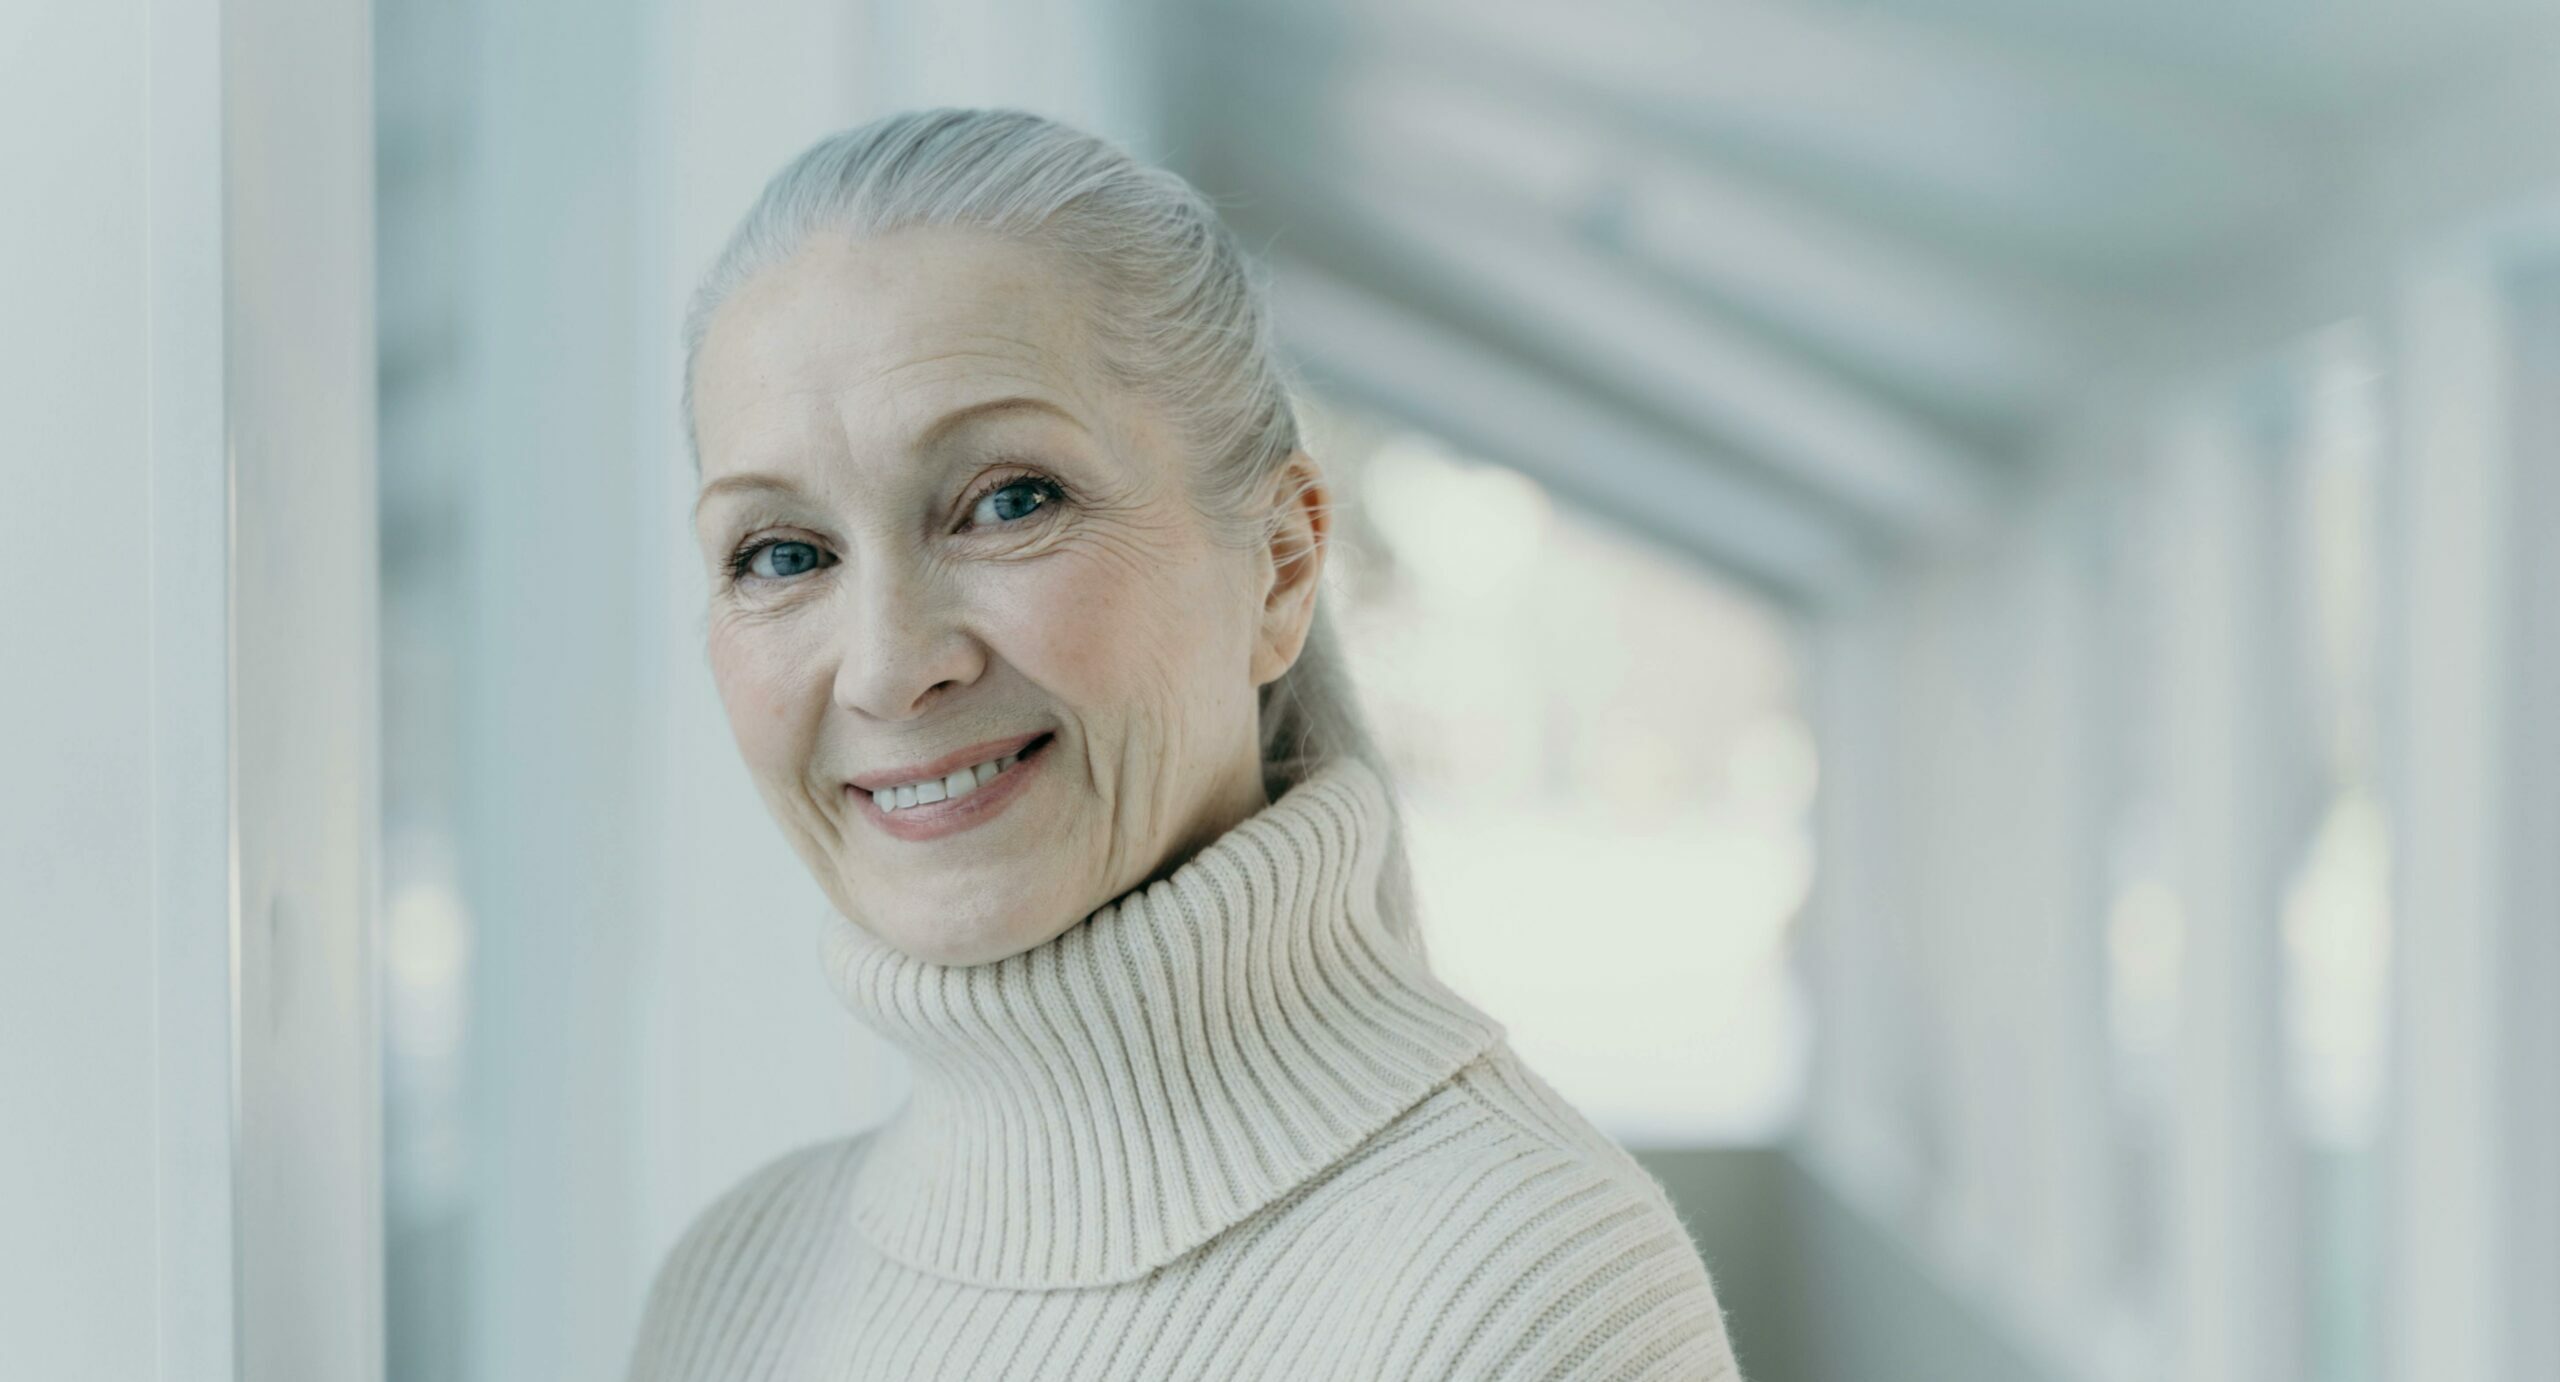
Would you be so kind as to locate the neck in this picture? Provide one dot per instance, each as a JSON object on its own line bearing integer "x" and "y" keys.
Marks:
{"x": 1089, "y": 1109}
{"x": 1241, "y": 799}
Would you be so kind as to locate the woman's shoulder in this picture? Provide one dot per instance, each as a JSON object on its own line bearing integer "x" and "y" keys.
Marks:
{"x": 763, "y": 1202}
{"x": 1500, "y": 1119}
{"x": 1558, "y": 1253}
{"x": 734, "y": 1250}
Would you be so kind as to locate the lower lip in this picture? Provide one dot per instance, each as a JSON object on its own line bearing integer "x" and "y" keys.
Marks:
{"x": 949, "y": 817}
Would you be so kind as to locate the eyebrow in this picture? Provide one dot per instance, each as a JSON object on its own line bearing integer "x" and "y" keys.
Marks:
{"x": 941, "y": 427}
{"x": 750, "y": 480}
{"x": 957, "y": 417}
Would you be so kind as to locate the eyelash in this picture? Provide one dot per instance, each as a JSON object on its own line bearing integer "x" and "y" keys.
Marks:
{"x": 1057, "y": 493}
{"x": 741, "y": 559}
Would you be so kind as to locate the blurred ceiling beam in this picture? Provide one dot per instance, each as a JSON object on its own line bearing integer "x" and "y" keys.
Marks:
{"x": 2321, "y": 61}
{"x": 1991, "y": 344}
{"x": 1403, "y": 363}
{"x": 1586, "y": 314}
{"x": 2078, "y": 165}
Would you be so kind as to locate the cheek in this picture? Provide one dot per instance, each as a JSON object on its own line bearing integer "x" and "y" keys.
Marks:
{"x": 768, "y": 685}
{"x": 1106, "y": 636}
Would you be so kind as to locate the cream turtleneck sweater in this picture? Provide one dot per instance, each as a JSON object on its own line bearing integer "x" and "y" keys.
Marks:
{"x": 1229, "y": 1126}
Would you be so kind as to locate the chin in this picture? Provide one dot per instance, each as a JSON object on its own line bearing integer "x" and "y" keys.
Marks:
{"x": 959, "y": 948}
{"x": 966, "y": 936}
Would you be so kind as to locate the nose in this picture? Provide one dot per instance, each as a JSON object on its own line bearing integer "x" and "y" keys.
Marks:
{"x": 905, "y": 647}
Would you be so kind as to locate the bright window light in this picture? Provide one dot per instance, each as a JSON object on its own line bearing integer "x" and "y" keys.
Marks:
{"x": 1610, "y": 781}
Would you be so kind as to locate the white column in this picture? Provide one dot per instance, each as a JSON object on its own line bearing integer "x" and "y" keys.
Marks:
{"x": 2059, "y": 1188}
{"x": 1862, "y": 1107}
{"x": 297, "y": 81}
{"x": 2530, "y": 964}
{"x": 2474, "y": 662}
{"x": 1998, "y": 822}
{"x": 2235, "y": 1181}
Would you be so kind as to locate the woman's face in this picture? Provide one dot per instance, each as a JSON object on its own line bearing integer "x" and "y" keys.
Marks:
{"x": 938, "y": 537}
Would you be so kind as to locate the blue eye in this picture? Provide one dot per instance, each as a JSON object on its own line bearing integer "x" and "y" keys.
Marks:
{"x": 773, "y": 561}
{"x": 1007, "y": 503}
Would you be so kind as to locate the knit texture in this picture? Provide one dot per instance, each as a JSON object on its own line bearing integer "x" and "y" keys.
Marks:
{"x": 1230, "y": 1126}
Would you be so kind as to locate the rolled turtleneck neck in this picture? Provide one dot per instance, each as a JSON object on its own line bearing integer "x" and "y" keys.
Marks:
{"x": 1094, "y": 1107}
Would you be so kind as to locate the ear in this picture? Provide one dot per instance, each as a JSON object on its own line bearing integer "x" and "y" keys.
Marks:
{"x": 1292, "y": 564}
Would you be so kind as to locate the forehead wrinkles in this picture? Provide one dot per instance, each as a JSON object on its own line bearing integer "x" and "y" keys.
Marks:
{"x": 850, "y": 351}
{"x": 921, "y": 296}
{"x": 914, "y": 385}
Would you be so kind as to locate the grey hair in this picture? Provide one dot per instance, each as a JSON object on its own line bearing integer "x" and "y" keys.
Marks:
{"x": 1180, "y": 317}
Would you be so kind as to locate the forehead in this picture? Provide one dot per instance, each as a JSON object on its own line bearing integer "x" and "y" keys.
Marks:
{"x": 865, "y": 342}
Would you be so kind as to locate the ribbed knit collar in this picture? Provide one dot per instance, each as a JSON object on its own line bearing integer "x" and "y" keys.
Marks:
{"x": 1094, "y": 1107}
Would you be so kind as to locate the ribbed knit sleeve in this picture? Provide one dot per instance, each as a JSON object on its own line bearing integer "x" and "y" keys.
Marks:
{"x": 1608, "y": 1287}
{"x": 1602, "y": 1279}
{"x": 723, "y": 1295}
{"x": 1535, "y": 1249}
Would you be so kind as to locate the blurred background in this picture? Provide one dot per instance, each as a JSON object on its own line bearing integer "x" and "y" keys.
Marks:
{"x": 1963, "y": 591}
{"x": 1996, "y": 545}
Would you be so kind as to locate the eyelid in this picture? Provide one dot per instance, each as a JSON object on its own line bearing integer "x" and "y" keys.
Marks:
{"x": 1012, "y": 473}
{"x": 743, "y": 555}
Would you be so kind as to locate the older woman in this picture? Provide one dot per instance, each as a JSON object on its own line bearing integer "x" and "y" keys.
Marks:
{"x": 1014, "y": 558}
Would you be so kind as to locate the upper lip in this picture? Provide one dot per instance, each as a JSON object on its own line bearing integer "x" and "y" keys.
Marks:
{"x": 946, "y": 765}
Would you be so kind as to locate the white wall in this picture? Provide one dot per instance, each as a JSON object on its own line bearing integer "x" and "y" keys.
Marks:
{"x": 77, "y": 1062}
{"x": 188, "y": 1181}
{"x": 550, "y": 851}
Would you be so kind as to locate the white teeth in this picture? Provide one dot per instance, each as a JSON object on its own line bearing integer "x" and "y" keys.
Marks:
{"x": 958, "y": 784}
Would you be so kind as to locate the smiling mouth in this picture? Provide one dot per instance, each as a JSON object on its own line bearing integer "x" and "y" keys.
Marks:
{"x": 929, "y": 799}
